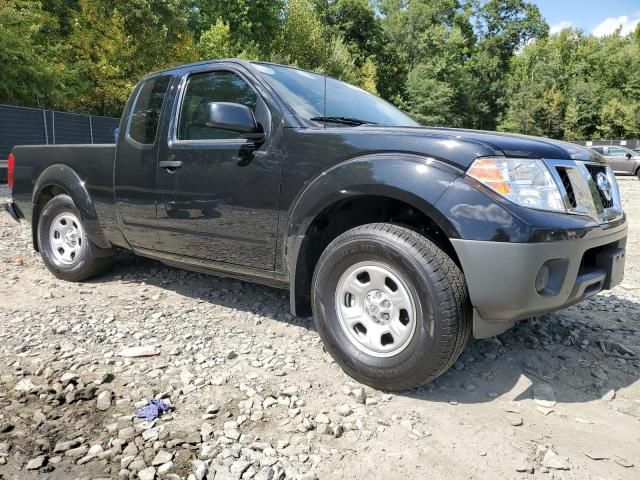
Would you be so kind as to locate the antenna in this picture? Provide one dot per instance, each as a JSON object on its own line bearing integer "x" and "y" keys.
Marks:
{"x": 326, "y": 57}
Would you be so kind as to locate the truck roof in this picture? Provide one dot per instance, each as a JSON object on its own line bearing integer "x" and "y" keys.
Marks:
{"x": 246, "y": 63}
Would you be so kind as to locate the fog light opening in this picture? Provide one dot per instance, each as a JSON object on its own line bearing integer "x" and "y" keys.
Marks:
{"x": 542, "y": 279}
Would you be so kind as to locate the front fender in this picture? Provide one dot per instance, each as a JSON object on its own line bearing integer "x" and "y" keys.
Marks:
{"x": 415, "y": 180}
{"x": 65, "y": 178}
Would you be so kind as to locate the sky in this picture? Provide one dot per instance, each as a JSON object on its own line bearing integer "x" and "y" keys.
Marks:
{"x": 600, "y": 17}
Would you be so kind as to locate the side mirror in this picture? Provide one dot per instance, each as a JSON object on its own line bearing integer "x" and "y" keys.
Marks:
{"x": 234, "y": 117}
{"x": 628, "y": 156}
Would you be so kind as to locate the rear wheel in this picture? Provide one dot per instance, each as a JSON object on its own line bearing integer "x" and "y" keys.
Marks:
{"x": 391, "y": 307}
{"x": 64, "y": 246}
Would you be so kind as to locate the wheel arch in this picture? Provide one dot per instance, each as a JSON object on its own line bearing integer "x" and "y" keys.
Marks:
{"x": 394, "y": 188}
{"x": 60, "y": 179}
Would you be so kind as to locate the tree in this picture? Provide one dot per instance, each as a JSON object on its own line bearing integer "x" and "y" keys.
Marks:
{"x": 503, "y": 28}
{"x": 29, "y": 74}
{"x": 253, "y": 24}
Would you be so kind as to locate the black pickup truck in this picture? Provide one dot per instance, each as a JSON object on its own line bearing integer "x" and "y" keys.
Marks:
{"x": 401, "y": 240}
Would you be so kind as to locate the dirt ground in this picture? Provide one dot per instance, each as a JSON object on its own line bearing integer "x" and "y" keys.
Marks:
{"x": 254, "y": 394}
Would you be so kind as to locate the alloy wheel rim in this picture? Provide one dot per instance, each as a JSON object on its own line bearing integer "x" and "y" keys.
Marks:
{"x": 66, "y": 237}
{"x": 376, "y": 309}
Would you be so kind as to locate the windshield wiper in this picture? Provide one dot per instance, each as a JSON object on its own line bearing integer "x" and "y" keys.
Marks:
{"x": 343, "y": 120}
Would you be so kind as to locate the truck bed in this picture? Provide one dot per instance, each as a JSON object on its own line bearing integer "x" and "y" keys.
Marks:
{"x": 92, "y": 163}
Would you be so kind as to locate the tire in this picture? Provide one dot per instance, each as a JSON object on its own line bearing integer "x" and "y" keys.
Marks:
{"x": 429, "y": 287}
{"x": 64, "y": 246}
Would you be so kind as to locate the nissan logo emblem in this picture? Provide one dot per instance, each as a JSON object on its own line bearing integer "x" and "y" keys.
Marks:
{"x": 603, "y": 184}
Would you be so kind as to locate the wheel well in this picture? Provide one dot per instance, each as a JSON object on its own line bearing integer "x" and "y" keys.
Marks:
{"x": 345, "y": 215}
{"x": 46, "y": 194}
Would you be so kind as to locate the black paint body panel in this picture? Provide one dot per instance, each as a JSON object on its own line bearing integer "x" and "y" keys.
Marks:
{"x": 239, "y": 206}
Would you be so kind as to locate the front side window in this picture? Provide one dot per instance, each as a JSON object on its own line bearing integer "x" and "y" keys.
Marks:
{"x": 617, "y": 152}
{"x": 204, "y": 88}
{"x": 599, "y": 150}
{"x": 146, "y": 112}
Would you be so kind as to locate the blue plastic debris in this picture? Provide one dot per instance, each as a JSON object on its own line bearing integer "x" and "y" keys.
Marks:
{"x": 153, "y": 409}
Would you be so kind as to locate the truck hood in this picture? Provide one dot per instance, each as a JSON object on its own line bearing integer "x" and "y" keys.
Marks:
{"x": 511, "y": 145}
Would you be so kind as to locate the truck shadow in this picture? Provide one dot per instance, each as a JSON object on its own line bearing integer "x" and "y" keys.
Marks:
{"x": 583, "y": 352}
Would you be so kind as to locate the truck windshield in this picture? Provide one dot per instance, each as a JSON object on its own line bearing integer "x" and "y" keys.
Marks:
{"x": 345, "y": 104}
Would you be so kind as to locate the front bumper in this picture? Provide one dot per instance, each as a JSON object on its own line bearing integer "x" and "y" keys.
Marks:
{"x": 512, "y": 281}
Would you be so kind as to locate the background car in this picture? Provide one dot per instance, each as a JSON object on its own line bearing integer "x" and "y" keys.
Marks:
{"x": 622, "y": 159}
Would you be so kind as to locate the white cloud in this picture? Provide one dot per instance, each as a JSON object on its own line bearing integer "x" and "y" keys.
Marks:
{"x": 611, "y": 24}
{"x": 558, "y": 27}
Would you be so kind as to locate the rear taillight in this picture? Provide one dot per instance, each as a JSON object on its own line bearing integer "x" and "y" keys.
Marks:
{"x": 11, "y": 165}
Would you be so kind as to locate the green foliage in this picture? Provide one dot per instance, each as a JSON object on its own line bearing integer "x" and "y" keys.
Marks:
{"x": 464, "y": 63}
{"x": 27, "y": 75}
{"x": 575, "y": 86}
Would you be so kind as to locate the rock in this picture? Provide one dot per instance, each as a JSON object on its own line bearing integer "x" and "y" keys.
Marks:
{"x": 24, "y": 385}
{"x": 544, "y": 395}
{"x": 257, "y": 415}
{"x": 264, "y": 474}
{"x": 322, "y": 418}
{"x": 609, "y": 395}
{"x": 522, "y": 465}
{"x": 39, "y": 417}
{"x": 104, "y": 400}
{"x": 344, "y": 410}
{"x": 164, "y": 468}
{"x": 324, "y": 429}
{"x": 207, "y": 451}
{"x": 77, "y": 452}
{"x": 219, "y": 380}
{"x": 231, "y": 355}
{"x": 555, "y": 461}
{"x": 148, "y": 473}
{"x": 186, "y": 377}
{"x": 64, "y": 446}
{"x": 127, "y": 433}
{"x": 137, "y": 465}
{"x": 239, "y": 467}
{"x": 162, "y": 457}
{"x": 36, "y": 463}
{"x": 69, "y": 377}
{"x": 360, "y": 395}
{"x": 308, "y": 476}
{"x": 200, "y": 469}
{"x": 514, "y": 419}
{"x": 623, "y": 462}
{"x": 596, "y": 456}
{"x": 206, "y": 431}
{"x": 4, "y": 449}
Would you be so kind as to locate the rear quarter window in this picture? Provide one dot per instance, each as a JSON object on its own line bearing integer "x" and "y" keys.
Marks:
{"x": 145, "y": 115}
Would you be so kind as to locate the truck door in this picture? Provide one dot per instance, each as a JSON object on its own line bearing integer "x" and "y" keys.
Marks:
{"x": 136, "y": 164}
{"x": 220, "y": 192}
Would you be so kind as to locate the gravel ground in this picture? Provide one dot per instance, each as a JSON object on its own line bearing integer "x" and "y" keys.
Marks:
{"x": 254, "y": 394}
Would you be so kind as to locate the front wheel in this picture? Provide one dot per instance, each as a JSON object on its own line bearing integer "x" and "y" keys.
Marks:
{"x": 64, "y": 245}
{"x": 390, "y": 306}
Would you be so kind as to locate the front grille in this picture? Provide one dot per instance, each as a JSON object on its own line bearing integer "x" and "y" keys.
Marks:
{"x": 566, "y": 183}
{"x": 594, "y": 170}
{"x": 578, "y": 183}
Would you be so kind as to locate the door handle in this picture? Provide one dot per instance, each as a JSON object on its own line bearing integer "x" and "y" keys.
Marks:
{"x": 170, "y": 165}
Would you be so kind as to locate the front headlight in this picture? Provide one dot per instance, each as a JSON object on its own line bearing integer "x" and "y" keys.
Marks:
{"x": 524, "y": 181}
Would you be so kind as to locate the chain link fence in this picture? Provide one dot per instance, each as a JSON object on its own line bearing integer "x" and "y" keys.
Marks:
{"x": 34, "y": 126}
{"x": 31, "y": 126}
